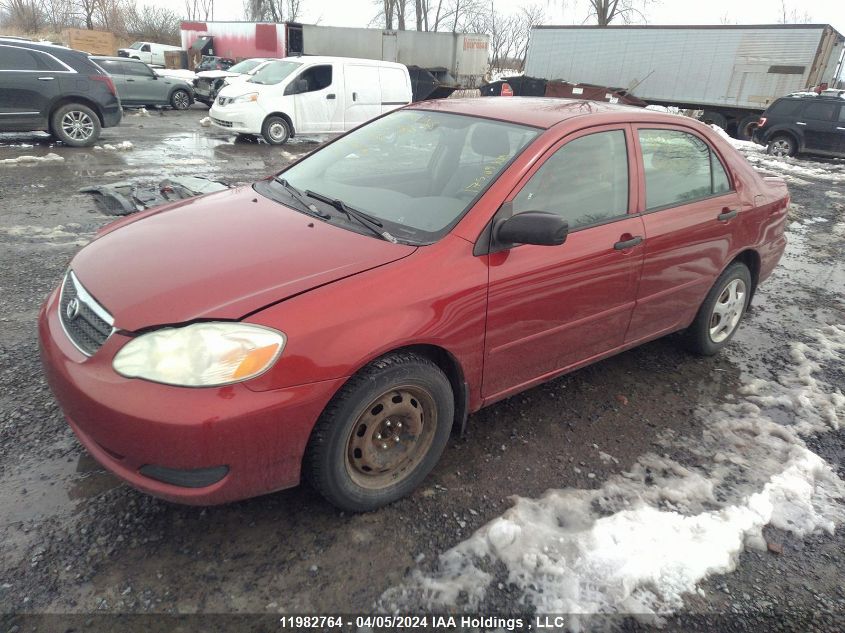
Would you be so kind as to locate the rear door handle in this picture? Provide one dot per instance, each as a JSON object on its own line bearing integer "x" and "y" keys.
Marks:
{"x": 130, "y": 80}
{"x": 331, "y": 95}
{"x": 46, "y": 78}
{"x": 727, "y": 214}
{"x": 800, "y": 123}
{"x": 631, "y": 243}
{"x": 840, "y": 128}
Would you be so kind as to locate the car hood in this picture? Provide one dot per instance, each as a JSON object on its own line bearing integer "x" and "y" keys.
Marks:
{"x": 220, "y": 256}
{"x": 216, "y": 74}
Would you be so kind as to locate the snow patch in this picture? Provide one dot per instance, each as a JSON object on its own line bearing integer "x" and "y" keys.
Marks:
{"x": 205, "y": 121}
{"x": 119, "y": 147}
{"x": 29, "y": 160}
{"x": 649, "y": 536}
{"x": 59, "y": 233}
{"x": 747, "y": 146}
{"x": 141, "y": 112}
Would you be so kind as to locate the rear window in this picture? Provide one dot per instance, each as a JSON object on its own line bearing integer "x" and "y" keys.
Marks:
{"x": 787, "y": 107}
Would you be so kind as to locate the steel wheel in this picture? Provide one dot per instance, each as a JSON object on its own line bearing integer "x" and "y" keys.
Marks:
{"x": 727, "y": 311}
{"x": 77, "y": 125}
{"x": 391, "y": 437}
{"x": 277, "y": 131}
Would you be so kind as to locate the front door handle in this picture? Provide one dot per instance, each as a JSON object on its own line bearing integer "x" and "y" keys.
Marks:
{"x": 130, "y": 80}
{"x": 727, "y": 214}
{"x": 631, "y": 243}
{"x": 841, "y": 129}
{"x": 46, "y": 78}
{"x": 331, "y": 95}
{"x": 800, "y": 123}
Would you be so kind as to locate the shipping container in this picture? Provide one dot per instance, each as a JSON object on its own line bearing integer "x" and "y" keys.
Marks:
{"x": 730, "y": 72}
{"x": 453, "y": 58}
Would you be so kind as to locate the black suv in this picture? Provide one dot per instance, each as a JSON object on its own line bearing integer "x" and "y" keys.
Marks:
{"x": 55, "y": 89}
{"x": 804, "y": 123}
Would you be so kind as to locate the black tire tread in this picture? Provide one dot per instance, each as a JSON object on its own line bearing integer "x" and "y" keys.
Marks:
{"x": 318, "y": 443}
{"x": 696, "y": 336}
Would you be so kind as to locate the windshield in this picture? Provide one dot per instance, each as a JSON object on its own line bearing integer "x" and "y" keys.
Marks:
{"x": 274, "y": 72}
{"x": 415, "y": 170}
{"x": 136, "y": 45}
{"x": 245, "y": 66}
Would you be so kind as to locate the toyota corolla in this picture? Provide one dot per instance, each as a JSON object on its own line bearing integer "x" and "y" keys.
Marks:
{"x": 335, "y": 322}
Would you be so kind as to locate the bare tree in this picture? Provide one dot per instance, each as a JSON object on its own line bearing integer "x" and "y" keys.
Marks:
{"x": 199, "y": 9}
{"x": 606, "y": 11}
{"x": 273, "y": 10}
{"x": 152, "y": 23}
{"x": 59, "y": 14}
{"x": 25, "y": 15}
{"x": 790, "y": 15}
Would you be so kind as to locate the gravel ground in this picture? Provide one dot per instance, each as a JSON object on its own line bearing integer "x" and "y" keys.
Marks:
{"x": 75, "y": 541}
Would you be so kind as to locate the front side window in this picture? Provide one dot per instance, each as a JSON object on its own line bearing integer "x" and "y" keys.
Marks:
{"x": 679, "y": 168}
{"x": 316, "y": 78}
{"x": 274, "y": 72}
{"x": 414, "y": 170}
{"x": 585, "y": 181}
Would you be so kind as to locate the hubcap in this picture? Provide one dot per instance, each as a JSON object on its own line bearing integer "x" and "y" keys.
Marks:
{"x": 727, "y": 311}
{"x": 780, "y": 148}
{"x": 391, "y": 437}
{"x": 277, "y": 131}
{"x": 77, "y": 125}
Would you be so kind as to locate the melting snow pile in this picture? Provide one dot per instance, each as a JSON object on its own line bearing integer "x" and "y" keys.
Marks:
{"x": 747, "y": 146}
{"x": 647, "y": 537}
{"x": 29, "y": 160}
{"x": 141, "y": 112}
{"x": 119, "y": 147}
{"x": 205, "y": 121}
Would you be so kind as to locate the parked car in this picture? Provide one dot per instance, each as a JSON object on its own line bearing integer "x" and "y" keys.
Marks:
{"x": 55, "y": 89}
{"x": 210, "y": 62}
{"x": 336, "y": 322}
{"x": 138, "y": 85}
{"x": 804, "y": 123}
{"x": 209, "y": 82}
{"x": 311, "y": 95}
{"x": 147, "y": 52}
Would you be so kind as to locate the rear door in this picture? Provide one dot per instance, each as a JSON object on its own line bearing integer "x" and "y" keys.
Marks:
{"x": 840, "y": 131}
{"x": 363, "y": 94}
{"x": 29, "y": 81}
{"x": 142, "y": 85}
{"x": 690, "y": 211}
{"x": 819, "y": 122}
{"x": 555, "y": 307}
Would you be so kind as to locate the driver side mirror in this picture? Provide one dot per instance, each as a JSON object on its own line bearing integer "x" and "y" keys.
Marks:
{"x": 532, "y": 227}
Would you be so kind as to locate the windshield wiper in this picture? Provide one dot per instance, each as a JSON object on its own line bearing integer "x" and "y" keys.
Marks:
{"x": 363, "y": 219}
{"x": 296, "y": 194}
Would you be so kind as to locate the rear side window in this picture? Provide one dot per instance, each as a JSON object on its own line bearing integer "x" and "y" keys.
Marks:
{"x": 787, "y": 107}
{"x": 14, "y": 58}
{"x": 585, "y": 181}
{"x": 679, "y": 168}
{"x": 841, "y": 114}
{"x": 111, "y": 66}
{"x": 820, "y": 111}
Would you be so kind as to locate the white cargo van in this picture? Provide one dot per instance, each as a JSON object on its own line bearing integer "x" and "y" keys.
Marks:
{"x": 147, "y": 52}
{"x": 311, "y": 95}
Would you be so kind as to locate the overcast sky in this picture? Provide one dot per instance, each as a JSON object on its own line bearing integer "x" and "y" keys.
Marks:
{"x": 361, "y": 12}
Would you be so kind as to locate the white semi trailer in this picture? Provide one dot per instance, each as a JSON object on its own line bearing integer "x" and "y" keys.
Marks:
{"x": 730, "y": 72}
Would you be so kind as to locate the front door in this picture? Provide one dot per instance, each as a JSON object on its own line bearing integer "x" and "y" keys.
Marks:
{"x": 142, "y": 84}
{"x": 554, "y": 307}
{"x": 315, "y": 98}
{"x": 363, "y": 94}
{"x": 691, "y": 211}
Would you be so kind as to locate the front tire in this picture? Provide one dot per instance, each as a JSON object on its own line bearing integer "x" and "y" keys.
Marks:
{"x": 180, "y": 100}
{"x": 381, "y": 434}
{"x": 782, "y": 145}
{"x": 719, "y": 316}
{"x": 275, "y": 130}
{"x": 75, "y": 125}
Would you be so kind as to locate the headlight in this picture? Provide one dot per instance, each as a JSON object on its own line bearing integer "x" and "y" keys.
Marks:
{"x": 201, "y": 355}
{"x": 252, "y": 96}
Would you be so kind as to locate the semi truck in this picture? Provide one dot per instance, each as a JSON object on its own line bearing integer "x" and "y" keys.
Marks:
{"x": 458, "y": 59}
{"x": 729, "y": 72}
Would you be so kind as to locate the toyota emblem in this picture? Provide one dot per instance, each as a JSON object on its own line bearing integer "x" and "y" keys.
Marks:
{"x": 72, "y": 309}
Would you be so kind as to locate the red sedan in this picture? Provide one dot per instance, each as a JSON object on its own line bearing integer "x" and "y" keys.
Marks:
{"x": 336, "y": 321}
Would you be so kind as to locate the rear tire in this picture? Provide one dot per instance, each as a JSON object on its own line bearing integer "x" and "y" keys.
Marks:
{"x": 180, "y": 99}
{"x": 75, "y": 125}
{"x": 275, "y": 130}
{"x": 746, "y": 126}
{"x": 719, "y": 316}
{"x": 381, "y": 434}
{"x": 708, "y": 117}
{"x": 782, "y": 145}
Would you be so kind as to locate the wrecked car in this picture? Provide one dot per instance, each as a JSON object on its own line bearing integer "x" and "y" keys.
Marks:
{"x": 335, "y": 322}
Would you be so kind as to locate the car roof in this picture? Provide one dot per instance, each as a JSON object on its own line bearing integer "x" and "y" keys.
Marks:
{"x": 116, "y": 59}
{"x": 329, "y": 59}
{"x": 542, "y": 112}
{"x": 47, "y": 47}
